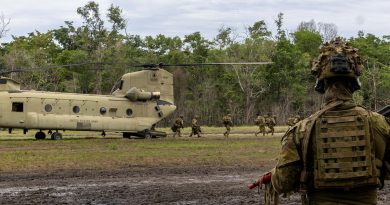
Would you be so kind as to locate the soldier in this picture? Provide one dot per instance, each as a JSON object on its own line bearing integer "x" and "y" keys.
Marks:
{"x": 260, "y": 121}
{"x": 290, "y": 121}
{"x": 227, "y": 122}
{"x": 293, "y": 120}
{"x": 340, "y": 154}
{"x": 178, "y": 125}
{"x": 195, "y": 127}
{"x": 296, "y": 119}
{"x": 270, "y": 121}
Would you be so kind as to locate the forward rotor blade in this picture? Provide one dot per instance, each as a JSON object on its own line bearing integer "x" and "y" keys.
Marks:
{"x": 20, "y": 70}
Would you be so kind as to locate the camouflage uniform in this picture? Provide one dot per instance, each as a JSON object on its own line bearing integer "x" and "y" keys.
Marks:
{"x": 340, "y": 154}
{"x": 260, "y": 121}
{"x": 293, "y": 120}
{"x": 296, "y": 119}
{"x": 195, "y": 127}
{"x": 290, "y": 121}
{"x": 177, "y": 126}
{"x": 227, "y": 122}
{"x": 289, "y": 174}
{"x": 271, "y": 122}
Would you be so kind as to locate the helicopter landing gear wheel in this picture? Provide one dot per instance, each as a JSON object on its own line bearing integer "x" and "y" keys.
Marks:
{"x": 40, "y": 135}
{"x": 147, "y": 134}
{"x": 126, "y": 135}
{"x": 56, "y": 136}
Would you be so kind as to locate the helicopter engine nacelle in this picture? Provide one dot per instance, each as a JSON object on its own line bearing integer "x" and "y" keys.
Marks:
{"x": 135, "y": 94}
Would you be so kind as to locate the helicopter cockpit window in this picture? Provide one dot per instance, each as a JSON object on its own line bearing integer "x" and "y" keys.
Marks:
{"x": 76, "y": 109}
{"x": 17, "y": 107}
{"x": 48, "y": 108}
{"x": 118, "y": 85}
{"x": 3, "y": 81}
{"x": 121, "y": 85}
{"x": 129, "y": 112}
{"x": 103, "y": 110}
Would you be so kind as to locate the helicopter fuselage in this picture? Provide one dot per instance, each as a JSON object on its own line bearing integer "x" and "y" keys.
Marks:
{"x": 135, "y": 106}
{"x": 49, "y": 110}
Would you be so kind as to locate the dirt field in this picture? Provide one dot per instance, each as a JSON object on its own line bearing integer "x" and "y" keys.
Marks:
{"x": 196, "y": 185}
{"x": 216, "y": 180}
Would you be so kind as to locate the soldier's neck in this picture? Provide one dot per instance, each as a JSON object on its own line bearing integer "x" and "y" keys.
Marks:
{"x": 337, "y": 92}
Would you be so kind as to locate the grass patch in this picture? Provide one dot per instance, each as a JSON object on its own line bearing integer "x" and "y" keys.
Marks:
{"x": 114, "y": 153}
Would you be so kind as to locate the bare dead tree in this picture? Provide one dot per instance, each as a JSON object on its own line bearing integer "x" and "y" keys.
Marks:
{"x": 307, "y": 25}
{"x": 327, "y": 30}
{"x": 251, "y": 86}
{"x": 3, "y": 25}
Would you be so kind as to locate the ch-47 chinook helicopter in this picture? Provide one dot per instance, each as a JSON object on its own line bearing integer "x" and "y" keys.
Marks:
{"x": 139, "y": 100}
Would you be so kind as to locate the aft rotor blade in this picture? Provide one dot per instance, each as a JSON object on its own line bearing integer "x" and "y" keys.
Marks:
{"x": 205, "y": 64}
{"x": 145, "y": 66}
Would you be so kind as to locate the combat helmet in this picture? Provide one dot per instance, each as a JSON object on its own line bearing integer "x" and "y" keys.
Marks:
{"x": 337, "y": 59}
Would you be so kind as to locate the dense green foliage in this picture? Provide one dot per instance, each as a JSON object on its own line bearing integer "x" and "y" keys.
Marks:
{"x": 284, "y": 88}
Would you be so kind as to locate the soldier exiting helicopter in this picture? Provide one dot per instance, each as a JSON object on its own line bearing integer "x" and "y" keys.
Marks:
{"x": 177, "y": 126}
{"x": 195, "y": 127}
{"x": 291, "y": 121}
{"x": 260, "y": 121}
{"x": 270, "y": 121}
{"x": 340, "y": 154}
{"x": 227, "y": 122}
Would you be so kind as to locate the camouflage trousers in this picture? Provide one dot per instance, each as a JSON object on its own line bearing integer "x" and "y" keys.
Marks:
{"x": 272, "y": 129}
{"x": 178, "y": 132}
{"x": 261, "y": 130}
{"x": 357, "y": 196}
{"x": 195, "y": 131}
{"x": 227, "y": 132}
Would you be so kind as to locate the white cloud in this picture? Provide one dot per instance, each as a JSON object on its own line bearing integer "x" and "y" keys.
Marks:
{"x": 181, "y": 17}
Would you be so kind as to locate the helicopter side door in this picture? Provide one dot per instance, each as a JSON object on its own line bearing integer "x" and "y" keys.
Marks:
{"x": 18, "y": 112}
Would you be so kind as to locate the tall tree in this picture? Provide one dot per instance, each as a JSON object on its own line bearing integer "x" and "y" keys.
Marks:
{"x": 251, "y": 79}
{"x": 307, "y": 41}
{"x": 376, "y": 54}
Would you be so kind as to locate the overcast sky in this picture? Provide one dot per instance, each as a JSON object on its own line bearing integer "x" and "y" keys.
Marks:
{"x": 182, "y": 17}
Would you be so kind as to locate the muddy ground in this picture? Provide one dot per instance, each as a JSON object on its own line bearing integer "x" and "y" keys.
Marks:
{"x": 193, "y": 185}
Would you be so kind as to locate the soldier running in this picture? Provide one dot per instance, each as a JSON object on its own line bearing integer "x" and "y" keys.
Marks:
{"x": 270, "y": 121}
{"x": 291, "y": 121}
{"x": 260, "y": 121}
{"x": 177, "y": 126}
{"x": 195, "y": 127}
{"x": 227, "y": 122}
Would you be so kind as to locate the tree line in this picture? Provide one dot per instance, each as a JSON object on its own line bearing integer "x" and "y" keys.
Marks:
{"x": 102, "y": 50}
